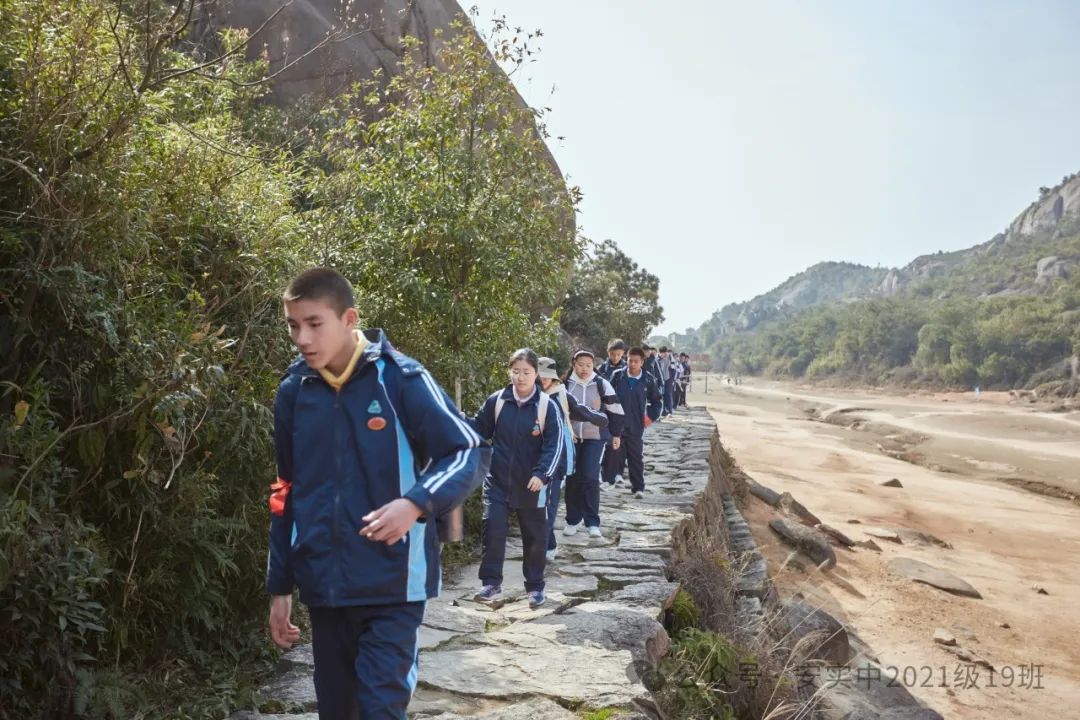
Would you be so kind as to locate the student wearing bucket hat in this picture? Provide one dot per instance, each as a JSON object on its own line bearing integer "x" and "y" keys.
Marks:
{"x": 573, "y": 411}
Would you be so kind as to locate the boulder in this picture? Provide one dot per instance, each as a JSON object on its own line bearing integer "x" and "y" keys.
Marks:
{"x": 813, "y": 543}
{"x": 1050, "y": 268}
{"x": 883, "y": 534}
{"x": 791, "y": 506}
{"x": 836, "y": 535}
{"x": 917, "y": 537}
{"x": 944, "y": 637}
{"x": 875, "y": 696}
{"x": 798, "y": 619}
{"x": 869, "y": 545}
{"x": 763, "y": 493}
{"x": 901, "y": 713}
{"x": 894, "y": 483}
{"x": 928, "y": 574}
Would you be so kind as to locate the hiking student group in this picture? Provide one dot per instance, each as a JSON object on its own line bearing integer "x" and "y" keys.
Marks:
{"x": 374, "y": 460}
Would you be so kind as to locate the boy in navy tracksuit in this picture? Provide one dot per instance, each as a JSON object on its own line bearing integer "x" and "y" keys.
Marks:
{"x": 666, "y": 366}
{"x": 613, "y": 460}
{"x": 652, "y": 366}
{"x": 642, "y": 404}
{"x": 616, "y": 351}
{"x": 525, "y": 426}
{"x": 354, "y": 421}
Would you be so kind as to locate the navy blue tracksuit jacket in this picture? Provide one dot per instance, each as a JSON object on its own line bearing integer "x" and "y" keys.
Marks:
{"x": 390, "y": 432}
{"x": 520, "y": 448}
{"x": 607, "y": 368}
{"x": 638, "y": 399}
{"x": 652, "y": 366}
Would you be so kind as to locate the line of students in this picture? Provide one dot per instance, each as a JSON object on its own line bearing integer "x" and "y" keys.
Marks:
{"x": 372, "y": 454}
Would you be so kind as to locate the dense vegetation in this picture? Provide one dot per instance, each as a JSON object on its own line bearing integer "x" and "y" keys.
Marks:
{"x": 610, "y": 296}
{"x": 981, "y": 318}
{"x": 152, "y": 208}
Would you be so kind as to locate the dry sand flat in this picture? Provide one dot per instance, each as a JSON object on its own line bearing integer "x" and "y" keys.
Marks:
{"x": 1004, "y": 539}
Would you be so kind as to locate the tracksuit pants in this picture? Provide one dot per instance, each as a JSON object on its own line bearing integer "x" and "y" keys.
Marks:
{"x": 613, "y": 464}
{"x": 634, "y": 448}
{"x": 554, "y": 496}
{"x": 669, "y": 397}
{"x": 631, "y": 451}
{"x": 494, "y": 528}
{"x": 583, "y": 487}
{"x": 365, "y": 660}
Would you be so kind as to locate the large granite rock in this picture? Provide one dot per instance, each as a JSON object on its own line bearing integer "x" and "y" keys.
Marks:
{"x": 822, "y": 635}
{"x": 923, "y": 573}
{"x": 811, "y": 542}
{"x": 1048, "y": 210}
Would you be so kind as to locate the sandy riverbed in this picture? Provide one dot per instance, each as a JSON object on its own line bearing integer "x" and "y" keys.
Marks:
{"x": 964, "y": 466}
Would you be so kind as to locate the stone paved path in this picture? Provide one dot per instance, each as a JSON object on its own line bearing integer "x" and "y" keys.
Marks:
{"x": 588, "y": 646}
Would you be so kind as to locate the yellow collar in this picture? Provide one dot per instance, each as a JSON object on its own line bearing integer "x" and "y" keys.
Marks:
{"x": 338, "y": 381}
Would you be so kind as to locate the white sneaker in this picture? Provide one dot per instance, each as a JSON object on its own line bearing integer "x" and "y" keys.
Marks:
{"x": 639, "y": 494}
{"x": 551, "y": 554}
{"x": 570, "y": 530}
{"x": 617, "y": 482}
{"x": 594, "y": 532}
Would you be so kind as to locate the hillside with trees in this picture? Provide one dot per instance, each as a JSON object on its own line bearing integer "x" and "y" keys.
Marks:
{"x": 1004, "y": 314}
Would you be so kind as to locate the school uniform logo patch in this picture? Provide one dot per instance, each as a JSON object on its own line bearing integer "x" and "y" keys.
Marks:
{"x": 376, "y": 423}
{"x": 536, "y": 430}
{"x": 374, "y": 408}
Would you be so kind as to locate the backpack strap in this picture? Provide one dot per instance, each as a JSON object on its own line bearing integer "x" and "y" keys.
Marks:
{"x": 563, "y": 402}
{"x": 541, "y": 409}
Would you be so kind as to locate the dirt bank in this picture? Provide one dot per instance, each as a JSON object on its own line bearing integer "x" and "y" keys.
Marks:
{"x": 964, "y": 466}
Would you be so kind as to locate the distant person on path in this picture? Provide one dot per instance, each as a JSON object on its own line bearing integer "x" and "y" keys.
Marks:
{"x": 572, "y": 411}
{"x": 677, "y": 370}
{"x": 613, "y": 460}
{"x": 666, "y": 364}
{"x": 616, "y": 351}
{"x": 348, "y": 417}
{"x": 642, "y": 404}
{"x": 684, "y": 385}
{"x": 652, "y": 367}
{"x": 583, "y": 486}
{"x": 526, "y": 429}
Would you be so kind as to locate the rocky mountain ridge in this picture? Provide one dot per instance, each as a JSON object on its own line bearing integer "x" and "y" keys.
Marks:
{"x": 1038, "y": 247}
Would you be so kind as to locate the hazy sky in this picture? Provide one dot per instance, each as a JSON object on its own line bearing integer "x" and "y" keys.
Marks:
{"x": 728, "y": 145}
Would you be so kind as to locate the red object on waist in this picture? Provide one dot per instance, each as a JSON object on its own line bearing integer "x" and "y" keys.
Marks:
{"x": 648, "y": 421}
{"x": 278, "y": 492}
